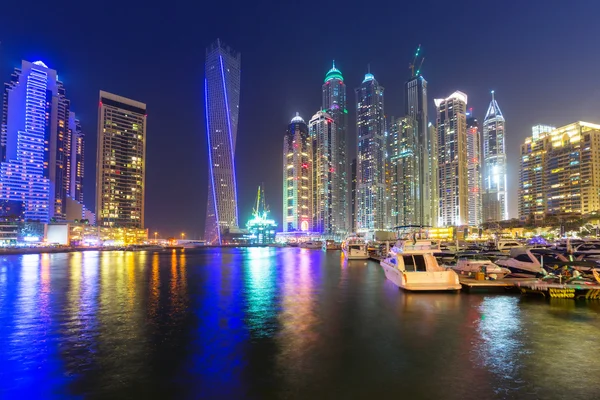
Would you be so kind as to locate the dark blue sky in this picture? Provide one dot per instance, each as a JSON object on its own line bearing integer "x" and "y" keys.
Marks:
{"x": 541, "y": 57}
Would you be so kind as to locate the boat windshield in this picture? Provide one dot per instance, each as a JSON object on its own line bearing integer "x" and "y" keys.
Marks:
{"x": 414, "y": 263}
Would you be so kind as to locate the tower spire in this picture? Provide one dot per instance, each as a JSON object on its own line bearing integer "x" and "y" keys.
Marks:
{"x": 333, "y": 64}
{"x": 369, "y": 68}
{"x": 492, "y": 95}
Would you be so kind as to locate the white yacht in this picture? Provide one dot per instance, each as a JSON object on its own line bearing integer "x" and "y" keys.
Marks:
{"x": 311, "y": 244}
{"x": 522, "y": 264}
{"x": 477, "y": 263}
{"x": 411, "y": 265}
{"x": 355, "y": 248}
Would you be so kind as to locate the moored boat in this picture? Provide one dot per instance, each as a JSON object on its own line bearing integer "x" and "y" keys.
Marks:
{"x": 355, "y": 248}
{"x": 311, "y": 244}
{"x": 331, "y": 245}
{"x": 476, "y": 263}
{"x": 411, "y": 265}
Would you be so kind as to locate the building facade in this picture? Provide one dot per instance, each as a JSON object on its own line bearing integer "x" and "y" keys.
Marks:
{"x": 452, "y": 159}
{"x": 532, "y": 204}
{"x": 415, "y": 101}
{"x": 35, "y": 144}
{"x": 560, "y": 172}
{"x": 370, "y": 155}
{"x": 297, "y": 177}
{"x": 120, "y": 162}
{"x": 221, "y": 102}
{"x": 334, "y": 104}
{"x": 327, "y": 218}
{"x": 495, "y": 206}
{"x": 473, "y": 171}
{"x": 404, "y": 201}
{"x": 76, "y": 161}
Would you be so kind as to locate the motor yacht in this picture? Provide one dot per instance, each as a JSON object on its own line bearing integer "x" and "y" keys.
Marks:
{"x": 411, "y": 265}
{"x": 522, "y": 263}
{"x": 331, "y": 245}
{"x": 470, "y": 263}
{"x": 311, "y": 244}
{"x": 355, "y": 248}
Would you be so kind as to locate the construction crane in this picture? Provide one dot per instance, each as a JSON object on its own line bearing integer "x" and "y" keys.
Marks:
{"x": 412, "y": 65}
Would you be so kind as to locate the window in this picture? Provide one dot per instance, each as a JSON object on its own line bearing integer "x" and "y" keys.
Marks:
{"x": 408, "y": 263}
{"x": 420, "y": 263}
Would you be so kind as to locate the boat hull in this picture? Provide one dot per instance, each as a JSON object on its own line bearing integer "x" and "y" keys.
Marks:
{"x": 351, "y": 255}
{"x": 422, "y": 281}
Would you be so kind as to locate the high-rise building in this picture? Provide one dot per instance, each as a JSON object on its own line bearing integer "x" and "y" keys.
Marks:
{"x": 495, "y": 207}
{"x": 370, "y": 155}
{"x": 452, "y": 159}
{"x": 415, "y": 103}
{"x": 222, "y": 103}
{"x": 120, "y": 162}
{"x": 35, "y": 142}
{"x": 334, "y": 104}
{"x": 434, "y": 208}
{"x": 473, "y": 170}
{"x": 297, "y": 177}
{"x": 326, "y": 202}
{"x": 353, "y": 195}
{"x": 76, "y": 172}
{"x": 560, "y": 171}
{"x": 532, "y": 204}
{"x": 404, "y": 202}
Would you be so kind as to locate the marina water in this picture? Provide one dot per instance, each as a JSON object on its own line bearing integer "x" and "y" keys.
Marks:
{"x": 276, "y": 323}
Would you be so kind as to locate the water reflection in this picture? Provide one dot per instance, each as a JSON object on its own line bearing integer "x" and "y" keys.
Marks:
{"x": 272, "y": 323}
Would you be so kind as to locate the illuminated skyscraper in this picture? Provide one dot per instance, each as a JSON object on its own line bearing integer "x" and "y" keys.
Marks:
{"x": 415, "y": 103}
{"x": 222, "y": 103}
{"x": 297, "y": 177}
{"x": 334, "y": 104}
{"x": 532, "y": 203}
{"x": 76, "y": 172}
{"x": 494, "y": 161}
{"x": 36, "y": 142}
{"x": 326, "y": 201}
{"x": 560, "y": 171}
{"x": 452, "y": 160}
{"x": 404, "y": 202}
{"x": 473, "y": 171}
{"x": 120, "y": 162}
{"x": 370, "y": 153}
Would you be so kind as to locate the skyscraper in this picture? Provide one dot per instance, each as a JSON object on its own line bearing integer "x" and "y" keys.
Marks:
{"x": 326, "y": 202}
{"x": 494, "y": 161}
{"x": 370, "y": 153}
{"x": 473, "y": 170}
{"x": 35, "y": 142}
{"x": 404, "y": 183}
{"x": 560, "y": 171}
{"x": 532, "y": 203}
{"x": 334, "y": 104}
{"x": 415, "y": 103}
{"x": 452, "y": 160}
{"x": 120, "y": 162}
{"x": 222, "y": 103}
{"x": 76, "y": 173}
{"x": 297, "y": 177}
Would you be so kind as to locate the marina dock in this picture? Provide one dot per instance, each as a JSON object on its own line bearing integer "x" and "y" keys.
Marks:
{"x": 472, "y": 284}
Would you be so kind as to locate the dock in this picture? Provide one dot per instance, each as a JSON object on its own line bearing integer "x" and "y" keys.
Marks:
{"x": 472, "y": 284}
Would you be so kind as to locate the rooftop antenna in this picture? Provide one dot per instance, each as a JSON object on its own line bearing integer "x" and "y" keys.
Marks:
{"x": 368, "y": 68}
{"x": 492, "y": 95}
{"x": 411, "y": 66}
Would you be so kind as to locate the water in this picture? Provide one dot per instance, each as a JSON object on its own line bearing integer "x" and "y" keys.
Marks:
{"x": 276, "y": 323}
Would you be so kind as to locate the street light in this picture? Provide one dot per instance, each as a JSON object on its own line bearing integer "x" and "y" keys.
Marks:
{"x": 155, "y": 235}
{"x": 182, "y": 235}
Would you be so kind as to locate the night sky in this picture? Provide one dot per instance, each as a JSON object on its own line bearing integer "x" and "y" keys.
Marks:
{"x": 541, "y": 58}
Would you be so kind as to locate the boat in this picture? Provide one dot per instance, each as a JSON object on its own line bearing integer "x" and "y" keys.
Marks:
{"x": 522, "y": 263}
{"x": 355, "y": 248}
{"x": 411, "y": 265}
{"x": 505, "y": 246}
{"x": 331, "y": 245}
{"x": 311, "y": 244}
{"x": 471, "y": 263}
{"x": 143, "y": 247}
